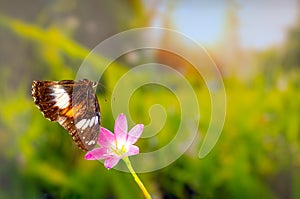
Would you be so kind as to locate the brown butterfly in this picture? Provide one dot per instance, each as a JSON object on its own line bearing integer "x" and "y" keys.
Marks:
{"x": 74, "y": 105}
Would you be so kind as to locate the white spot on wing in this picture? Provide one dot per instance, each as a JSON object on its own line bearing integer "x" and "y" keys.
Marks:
{"x": 61, "y": 97}
{"x": 86, "y": 124}
{"x": 63, "y": 102}
{"x": 96, "y": 120}
{"x": 92, "y": 121}
{"x": 80, "y": 123}
{"x": 58, "y": 89}
{"x": 91, "y": 142}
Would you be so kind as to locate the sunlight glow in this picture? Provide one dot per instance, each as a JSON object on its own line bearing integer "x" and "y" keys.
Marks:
{"x": 260, "y": 25}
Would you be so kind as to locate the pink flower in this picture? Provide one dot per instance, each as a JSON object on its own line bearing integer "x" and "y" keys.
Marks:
{"x": 114, "y": 147}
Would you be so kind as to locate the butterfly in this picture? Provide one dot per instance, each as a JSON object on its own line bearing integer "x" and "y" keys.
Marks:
{"x": 74, "y": 105}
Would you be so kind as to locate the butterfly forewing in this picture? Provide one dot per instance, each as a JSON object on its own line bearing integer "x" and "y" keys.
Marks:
{"x": 74, "y": 105}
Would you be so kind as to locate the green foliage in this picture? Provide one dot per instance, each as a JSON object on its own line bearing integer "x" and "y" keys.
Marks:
{"x": 259, "y": 143}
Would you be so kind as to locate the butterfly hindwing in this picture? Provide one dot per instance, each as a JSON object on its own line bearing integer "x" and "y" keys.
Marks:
{"x": 74, "y": 105}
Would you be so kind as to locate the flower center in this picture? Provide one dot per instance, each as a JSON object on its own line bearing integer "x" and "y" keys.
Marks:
{"x": 119, "y": 151}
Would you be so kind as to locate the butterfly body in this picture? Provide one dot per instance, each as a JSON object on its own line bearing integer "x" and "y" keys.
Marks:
{"x": 74, "y": 105}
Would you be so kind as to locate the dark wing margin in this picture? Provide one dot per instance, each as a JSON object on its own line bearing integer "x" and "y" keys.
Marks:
{"x": 74, "y": 105}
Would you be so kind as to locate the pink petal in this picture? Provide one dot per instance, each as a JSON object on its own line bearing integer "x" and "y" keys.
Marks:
{"x": 110, "y": 162}
{"x": 133, "y": 150}
{"x": 96, "y": 154}
{"x": 121, "y": 128}
{"x": 106, "y": 138}
{"x": 135, "y": 133}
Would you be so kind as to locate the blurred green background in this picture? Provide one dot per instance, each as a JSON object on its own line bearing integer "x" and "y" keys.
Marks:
{"x": 257, "y": 155}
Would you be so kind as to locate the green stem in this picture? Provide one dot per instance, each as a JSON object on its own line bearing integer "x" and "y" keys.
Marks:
{"x": 136, "y": 178}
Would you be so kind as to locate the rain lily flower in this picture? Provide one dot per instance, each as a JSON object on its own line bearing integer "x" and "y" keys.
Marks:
{"x": 114, "y": 147}
{"x": 119, "y": 145}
